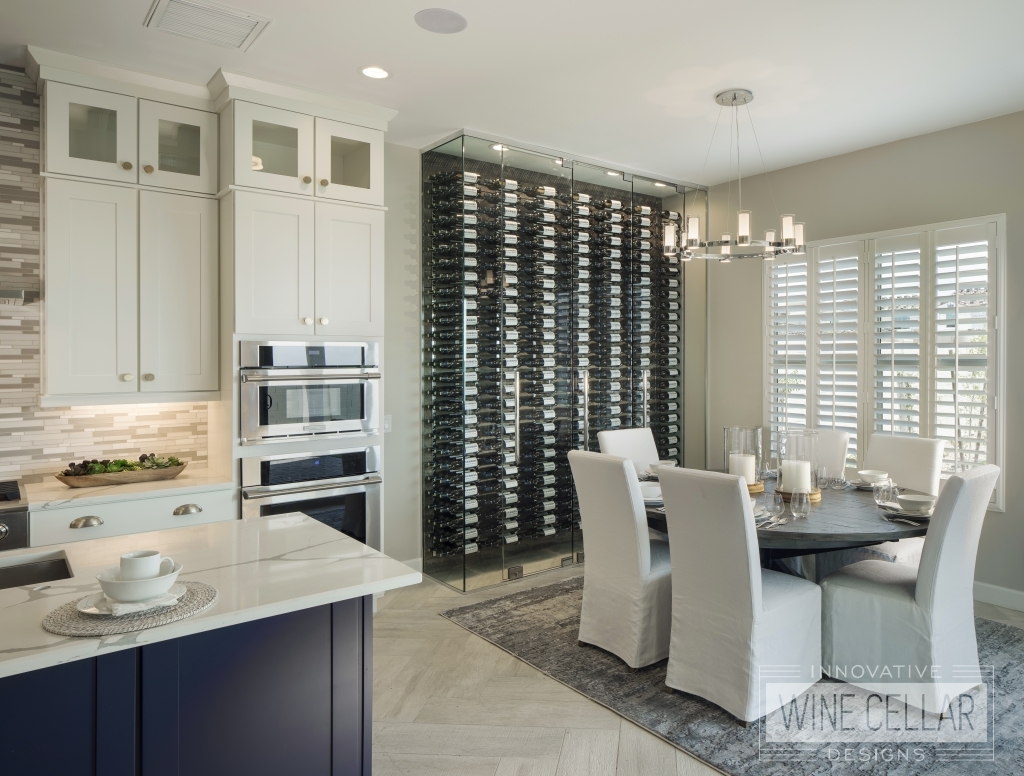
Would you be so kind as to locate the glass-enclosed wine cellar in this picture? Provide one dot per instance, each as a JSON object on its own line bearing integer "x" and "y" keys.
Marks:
{"x": 552, "y": 309}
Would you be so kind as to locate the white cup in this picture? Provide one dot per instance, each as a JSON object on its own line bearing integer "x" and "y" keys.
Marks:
{"x": 144, "y": 564}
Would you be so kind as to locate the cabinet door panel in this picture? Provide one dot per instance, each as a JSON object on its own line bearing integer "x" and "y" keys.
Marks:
{"x": 91, "y": 292}
{"x": 91, "y": 133}
{"x": 178, "y": 321}
{"x": 273, "y": 264}
{"x": 349, "y": 162}
{"x": 273, "y": 148}
{"x": 177, "y": 147}
{"x": 349, "y": 270}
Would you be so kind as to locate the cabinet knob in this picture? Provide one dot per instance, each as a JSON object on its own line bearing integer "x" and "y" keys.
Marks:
{"x": 148, "y": 377}
{"x": 324, "y": 321}
{"x": 148, "y": 168}
{"x": 127, "y": 377}
{"x": 187, "y": 509}
{"x": 307, "y": 179}
{"x": 89, "y": 521}
{"x": 324, "y": 182}
{"x": 126, "y": 165}
{"x": 4, "y": 530}
{"x": 308, "y": 321}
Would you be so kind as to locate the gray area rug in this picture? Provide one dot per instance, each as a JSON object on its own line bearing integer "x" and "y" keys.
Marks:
{"x": 540, "y": 627}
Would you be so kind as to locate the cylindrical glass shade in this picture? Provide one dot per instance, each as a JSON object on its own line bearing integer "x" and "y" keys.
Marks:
{"x": 669, "y": 241}
{"x": 798, "y": 454}
{"x": 798, "y": 235}
{"x": 769, "y": 237}
{"x": 743, "y": 227}
{"x": 726, "y": 238}
{"x": 787, "y": 231}
{"x": 742, "y": 450}
{"x": 692, "y": 231}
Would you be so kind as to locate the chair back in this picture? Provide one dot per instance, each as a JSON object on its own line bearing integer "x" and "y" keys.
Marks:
{"x": 832, "y": 447}
{"x": 912, "y": 462}
{"x": 636, "y": 444}
{"x": 613, "y": 518}
{"x": 714, "y": 544}
{"x": 945, "y": 574}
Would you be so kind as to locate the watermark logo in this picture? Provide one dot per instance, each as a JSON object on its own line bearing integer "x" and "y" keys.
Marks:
{"x": 867, "y": 714}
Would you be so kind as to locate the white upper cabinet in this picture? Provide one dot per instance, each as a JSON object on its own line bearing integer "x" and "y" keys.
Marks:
{"x": 178, "y": 303}
{"x": 273, "y": 148}
{"x": 349, "y": 271}
{"x": 177, "y": 147}
{"x": 349, "y": 162}
{"x": 91, "y": 301}
{"x": 273, "y": 239}
{"x": 91, "y": 133}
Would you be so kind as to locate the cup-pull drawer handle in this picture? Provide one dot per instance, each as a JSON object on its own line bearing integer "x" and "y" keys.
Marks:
{"x": 88, "y": 521}
{"x": 188, "y": 509}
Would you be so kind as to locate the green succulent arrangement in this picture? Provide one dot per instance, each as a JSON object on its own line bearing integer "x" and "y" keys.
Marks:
{"x": 146, "y": 461}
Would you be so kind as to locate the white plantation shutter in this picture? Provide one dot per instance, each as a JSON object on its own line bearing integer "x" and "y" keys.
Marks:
{"x": 962, "y": 375}
{"x": 787, "y": 345}
{"x": 896, "y": 382}
{"x": 836, "y": 323}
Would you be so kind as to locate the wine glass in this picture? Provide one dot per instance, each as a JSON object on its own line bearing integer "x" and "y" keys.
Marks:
{"x": 774, "y": 506}
{"x": 800, "y": 504}
{"x": 884, "y": 492}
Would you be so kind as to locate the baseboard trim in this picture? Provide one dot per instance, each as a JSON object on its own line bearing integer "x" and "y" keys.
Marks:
{"x": 1006, "y": 597}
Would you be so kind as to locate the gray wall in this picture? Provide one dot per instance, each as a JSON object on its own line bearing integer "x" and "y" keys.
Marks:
{"x": 400, "y": 450}
{"x": 967, "y": 171}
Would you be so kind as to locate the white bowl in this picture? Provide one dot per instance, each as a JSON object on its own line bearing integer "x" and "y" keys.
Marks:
{"x": 920, "y": 504}
{"x": 650, "y": 491}
{"x": 872, "y": 475}
{"x": 129, "y": 591}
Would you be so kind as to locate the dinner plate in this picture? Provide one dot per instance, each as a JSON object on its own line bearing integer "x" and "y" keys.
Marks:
{"x": 896, "y": 511}
{"x": 97, "y": 603}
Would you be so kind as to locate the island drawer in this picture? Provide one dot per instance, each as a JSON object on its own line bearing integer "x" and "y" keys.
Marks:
{"x": 78, "y": 523}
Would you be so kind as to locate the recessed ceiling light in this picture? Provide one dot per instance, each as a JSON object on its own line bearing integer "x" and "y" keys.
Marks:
{"x": 375, "y": 72}
{"x": 441, "y": 21}
{"x": 660, "y": 184}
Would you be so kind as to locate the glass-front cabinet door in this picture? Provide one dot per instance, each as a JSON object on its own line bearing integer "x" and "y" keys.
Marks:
{"x": 177, "y": 147}
{"x": 91, "y": 133}
{"x": 273, "y": 148}
{"x": 349, "y": 162}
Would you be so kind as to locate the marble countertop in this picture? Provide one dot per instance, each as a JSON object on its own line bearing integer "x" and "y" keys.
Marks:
{"x": 261, "y": 568}
{"x": 54, "y": 494}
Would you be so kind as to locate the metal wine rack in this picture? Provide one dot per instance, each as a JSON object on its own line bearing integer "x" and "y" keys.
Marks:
{"x": 551, "y": 311}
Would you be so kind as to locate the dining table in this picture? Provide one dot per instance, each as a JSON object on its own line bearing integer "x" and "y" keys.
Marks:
{"x": 843, "y": 519}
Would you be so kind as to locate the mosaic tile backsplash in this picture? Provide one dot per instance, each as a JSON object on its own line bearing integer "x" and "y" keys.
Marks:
{"x": 36, "y": 442}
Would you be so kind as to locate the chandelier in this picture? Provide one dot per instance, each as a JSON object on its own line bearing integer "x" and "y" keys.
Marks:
{"x": 787, "y": 240}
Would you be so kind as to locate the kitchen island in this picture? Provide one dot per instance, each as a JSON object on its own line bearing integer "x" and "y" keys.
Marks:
{"x": 274, "y": 678}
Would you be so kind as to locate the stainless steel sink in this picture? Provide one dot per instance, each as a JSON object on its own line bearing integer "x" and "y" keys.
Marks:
{"x": 33, "y": 569}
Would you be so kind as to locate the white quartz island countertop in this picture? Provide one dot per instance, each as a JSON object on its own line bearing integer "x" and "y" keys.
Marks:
{"x": 261, "y": 568}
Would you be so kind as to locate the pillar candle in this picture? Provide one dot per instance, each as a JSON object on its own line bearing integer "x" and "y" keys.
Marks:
{"x": 796, "y": 476}
{"x": 742, "y": 464}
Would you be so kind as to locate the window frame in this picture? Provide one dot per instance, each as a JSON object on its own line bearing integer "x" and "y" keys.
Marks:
{"x": 866, "y": 242}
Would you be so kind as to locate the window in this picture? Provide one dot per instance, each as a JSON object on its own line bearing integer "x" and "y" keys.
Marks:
{"x": 891, "y": 333}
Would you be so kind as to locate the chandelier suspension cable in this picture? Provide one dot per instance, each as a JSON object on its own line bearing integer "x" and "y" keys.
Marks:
{"x": 767, "y": 179}
{"x": 706, "y": 157}
{"x": 739, "y": 172}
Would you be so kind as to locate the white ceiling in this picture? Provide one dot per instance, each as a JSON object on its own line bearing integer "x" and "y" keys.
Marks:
{"x": 630, "y": 82}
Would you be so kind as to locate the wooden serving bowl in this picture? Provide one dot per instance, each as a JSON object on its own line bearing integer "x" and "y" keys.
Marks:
{"x": 121, "y": 478}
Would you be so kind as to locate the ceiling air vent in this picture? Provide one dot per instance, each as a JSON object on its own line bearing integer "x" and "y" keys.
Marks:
{"x": 213, "y": 23}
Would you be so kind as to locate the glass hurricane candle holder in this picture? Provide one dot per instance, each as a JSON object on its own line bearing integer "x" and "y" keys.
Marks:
{"x": 798, "y": 459}
{"x": 742, "y": 451}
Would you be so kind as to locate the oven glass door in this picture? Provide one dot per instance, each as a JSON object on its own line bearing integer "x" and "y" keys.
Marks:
{"x": 287, "y": 405}
{"x": 345, "y": 512}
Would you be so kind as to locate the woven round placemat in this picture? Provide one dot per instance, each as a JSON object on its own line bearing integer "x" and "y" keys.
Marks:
{"x": 66, "y": 620}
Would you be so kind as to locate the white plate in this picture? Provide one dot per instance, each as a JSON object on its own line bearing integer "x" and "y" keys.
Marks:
{"x": 97, "y": 603}
{"x": 896, "y": 511}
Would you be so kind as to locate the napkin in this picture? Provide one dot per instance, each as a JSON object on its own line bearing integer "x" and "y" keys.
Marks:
{"x": 118, "y": 608}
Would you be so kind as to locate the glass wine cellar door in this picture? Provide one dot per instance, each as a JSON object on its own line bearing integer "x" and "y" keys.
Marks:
{"x": 551, "y": 311}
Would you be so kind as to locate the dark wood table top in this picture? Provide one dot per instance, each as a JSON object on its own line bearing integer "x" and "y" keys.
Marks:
{"x": 843, "y": 519}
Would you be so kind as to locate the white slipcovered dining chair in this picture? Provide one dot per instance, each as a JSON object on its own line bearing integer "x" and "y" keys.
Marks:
{"x": 730, "y": 617}
{"x": 636, "y": 444}
{"x": 627, "y": 582}
{"x": 912, "y": 462}
{"x": 832, "y": 447}
{"x": 890, "y": 614}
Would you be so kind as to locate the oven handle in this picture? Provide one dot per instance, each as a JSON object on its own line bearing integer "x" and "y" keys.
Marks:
{"x": 322, "y": 377}
{"x": 263, "y": 492}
